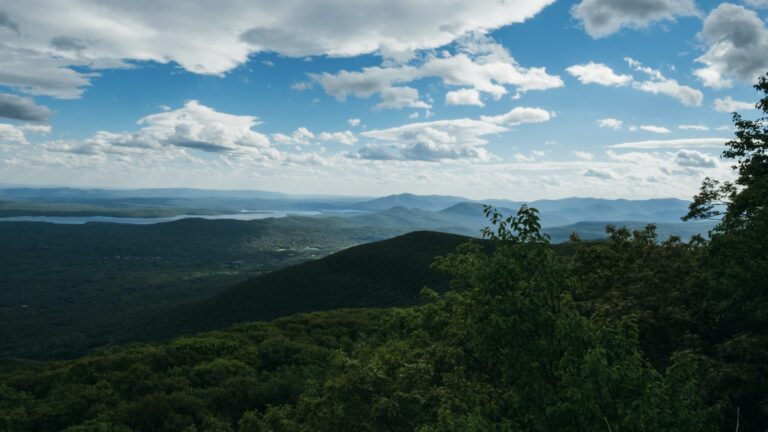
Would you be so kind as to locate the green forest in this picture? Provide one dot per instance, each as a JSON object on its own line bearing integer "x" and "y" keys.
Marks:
{"x": 636, "y": 333}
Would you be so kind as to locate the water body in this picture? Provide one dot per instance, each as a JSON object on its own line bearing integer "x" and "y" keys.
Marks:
{"x": 261, "y": 214}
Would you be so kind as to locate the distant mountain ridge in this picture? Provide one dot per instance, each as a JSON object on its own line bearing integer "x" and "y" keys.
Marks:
{"x": 447, "y": 209}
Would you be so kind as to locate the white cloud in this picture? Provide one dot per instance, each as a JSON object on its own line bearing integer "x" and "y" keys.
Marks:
{"x": 301, "y": 136}
{"x": 684, "y": 94}
{"x": 605, "y": 17}
{"x": 400, "y": 97}
{"x": 609, "y": 123}
{"x": 598, "y": 73}
{"x": 738, "y": 41}
{"x": 694, "y": 159}
{"x": 659, "y": 84}
{"x": 11, "y": 134}
{"x": 36, "y": 128}
{"x": 445, "y": 139}
{"x": 727, "y": 104}
{"x": 583, "y": 155}
{"x": 693, "y": 127}
{"x": 488, "y": 67}
{"x": 193, "y": 126}
{"x": 344, "y": 137}
{"x": 520, "y": 115}
{"x": 655, "y": 129}
{"x": 210, "y": 37}
{"x": 480, "y": 64}
{"x": 463, "y": 97}
{"x": 432, "y": 141}
{"x": 712, "y": 78}
{"x": 354, "y": 122}
{"x": 191, "y": 36}
{"x": 673, "y": 143}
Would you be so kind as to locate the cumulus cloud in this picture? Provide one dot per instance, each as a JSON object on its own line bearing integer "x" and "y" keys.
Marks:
{"x": 463, "y": 97}
{"x": 400, "y": 97}
{"x": 604, "y": 17}
{"x": 659, "y": 84}
{"x": 611, "y": 123}
{"x": 432, "y": 141}
{"x": 673, "y": 143}
{"x": 300, "y": 136}
{"x": 694, "y": 159}
{"x": 655, "y": 129}
{"x": 21, "y": 108}
{"x": 354, "y": 122}
{"x": 727, "y": 104}
{"x": 11, "y": 134}
{"x": 738, "y": 41}
{"x": 598, "y": 73}
{"x": 193, "y": 126}
{"x": 17, "y": 134}
{"x": 479, "y": 64}
{"x": 445, "y": 139}
{"x": 343, "y": 137}
{"x": 303, "y": 136}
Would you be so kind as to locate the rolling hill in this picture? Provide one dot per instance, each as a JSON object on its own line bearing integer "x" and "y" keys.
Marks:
{"x": 381, "y": 274}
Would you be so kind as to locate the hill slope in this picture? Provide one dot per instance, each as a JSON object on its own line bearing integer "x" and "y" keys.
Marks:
{"x": 381, "y": 274}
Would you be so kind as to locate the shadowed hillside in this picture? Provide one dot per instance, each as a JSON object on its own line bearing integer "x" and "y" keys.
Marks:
{"x": 382, "y": 274}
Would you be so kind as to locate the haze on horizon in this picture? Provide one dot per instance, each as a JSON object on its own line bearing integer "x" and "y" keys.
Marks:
{"x": 523, "y": 99}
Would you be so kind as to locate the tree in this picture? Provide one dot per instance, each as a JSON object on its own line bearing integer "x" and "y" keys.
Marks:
{"x": 735, "y": 303}
{"x": 744, "y": 199}
{"x": 505, "y": 349}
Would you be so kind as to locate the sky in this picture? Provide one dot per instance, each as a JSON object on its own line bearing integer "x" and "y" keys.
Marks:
{"x": 516, "y": 99}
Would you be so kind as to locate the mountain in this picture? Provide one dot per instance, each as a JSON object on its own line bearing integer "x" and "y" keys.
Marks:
{"x": 380, "y": 274}
{"x": 67, "y": 288}
{"x": 170, "y": 202}
{"x": 593, "y": 209}
{"x": 553, "y": 212}
{"x": 407, "y": 200}
{"x": 474, "y": 212}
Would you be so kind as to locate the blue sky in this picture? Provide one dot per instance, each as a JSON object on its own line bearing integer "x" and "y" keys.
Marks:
{"x": 521, "y": 99}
